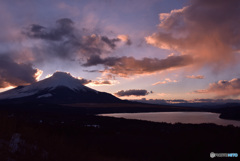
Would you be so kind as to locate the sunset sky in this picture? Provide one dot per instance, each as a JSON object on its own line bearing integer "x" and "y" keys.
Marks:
{"x": 152, "y": 49}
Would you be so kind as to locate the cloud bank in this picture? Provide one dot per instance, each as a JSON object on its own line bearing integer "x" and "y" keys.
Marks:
{"x": 223, "y": 88}
{"x": 207, "y": 30}
{"x": 66, "y": 41}
{"x": 64, "y": 28}
{"x": 15, "y": 74}
{"x": 126, "y": 66}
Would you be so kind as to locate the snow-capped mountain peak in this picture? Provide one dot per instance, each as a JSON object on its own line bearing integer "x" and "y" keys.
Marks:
{"x": 58, "y": 79}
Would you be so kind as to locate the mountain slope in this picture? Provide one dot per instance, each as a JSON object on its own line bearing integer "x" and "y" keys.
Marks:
{"x": 59, "y": 88}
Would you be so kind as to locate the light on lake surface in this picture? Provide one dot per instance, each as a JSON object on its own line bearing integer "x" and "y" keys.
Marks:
{"x": 177, "y": 117}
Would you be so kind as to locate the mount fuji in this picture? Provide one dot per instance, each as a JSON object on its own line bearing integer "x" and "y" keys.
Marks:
{"x": 60, "y": 88}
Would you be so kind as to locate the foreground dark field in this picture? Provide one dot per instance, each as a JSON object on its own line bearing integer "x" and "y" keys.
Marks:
{"x": 34, "y": 135}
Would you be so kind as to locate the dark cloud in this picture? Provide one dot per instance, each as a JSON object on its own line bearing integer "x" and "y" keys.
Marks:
{"x": 15, "y": 74}
{"x": 92, "y": 71}
{"x": 223, "y": 88}
{"x": 132, "y": 92}
{"x": 152, "y": 101}
{"x": 129, "y": 42}
{"x": 208, "y": 30}
{"x": 163, "y": 101}
{"x": 125, "y": 66}
{"x": 218, "y": 101}
{"x": 95, "y": 82}
{"x": 95, "y": 44}
{"x": 64, "y": 27}
{"x": 96, "y": 60}
{"x": 36, "y": 30}
{"x": 110, "y": 42}
{"x": 191, "y": 103}
{"x": 66, "y": 41}
{"x": 85, "y": 81}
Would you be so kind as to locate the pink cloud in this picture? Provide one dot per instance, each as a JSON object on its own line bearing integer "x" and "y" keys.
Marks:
{"x": 206, "y": 30}
{"x": 195, "y": 76}
{"x": 127, "y": 66}
{"x": 167, "y": 80}
{"x": 223, "y": 88}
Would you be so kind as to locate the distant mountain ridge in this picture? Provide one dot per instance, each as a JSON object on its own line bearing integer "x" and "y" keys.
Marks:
{"x": 61, "y": 87}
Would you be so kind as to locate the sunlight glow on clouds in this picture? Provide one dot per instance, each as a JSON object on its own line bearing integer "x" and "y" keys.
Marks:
{"x": 103, "y": 83}
{"x": 15, "y": 74}
{"x": 167, "y": 80}
{"x": 162, "y": 94}
{"x": 125, "y": 38}
{"x": 200, "y": 30}
{"x": 223, "y": 88}
{"x": 127, "y": 66}
{"x": 195, "y": 76}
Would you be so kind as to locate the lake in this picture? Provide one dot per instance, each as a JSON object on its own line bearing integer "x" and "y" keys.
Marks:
{"x": 177, "y": 117}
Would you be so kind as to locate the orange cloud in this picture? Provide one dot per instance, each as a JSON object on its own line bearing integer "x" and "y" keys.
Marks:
{"x": 167, "y": 80}
{"x": 223, "y": 88}
{"x": 125, "y": 38}
{"x": 195, "y": 76}
{"x": 103, "y": 83}
{"x": 162, "y": 94}
{"x": 206, "y": 30}
{"x": 126, "y": 66}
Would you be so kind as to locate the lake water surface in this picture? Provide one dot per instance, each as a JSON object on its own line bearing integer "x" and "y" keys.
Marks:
{"x": 175, "y": 117}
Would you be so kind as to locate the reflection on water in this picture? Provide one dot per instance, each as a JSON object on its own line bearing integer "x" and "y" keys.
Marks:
{"x": 174, "y": 117}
